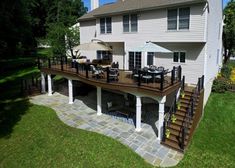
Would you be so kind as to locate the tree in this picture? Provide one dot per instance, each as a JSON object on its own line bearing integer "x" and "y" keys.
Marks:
{"x": 16, "y": 36}
{"x": 72, "y": 39}
{"x": 62, "y": 16}
{"x": 229, "y": 30}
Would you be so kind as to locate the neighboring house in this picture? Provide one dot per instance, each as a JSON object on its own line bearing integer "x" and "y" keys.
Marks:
{"x": 192, "y": 29}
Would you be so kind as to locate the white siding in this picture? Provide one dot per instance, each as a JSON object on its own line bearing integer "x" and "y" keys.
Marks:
{"x": 214, "y": 40}
{"x": 152, "y": 26}
{"x": 192, "y": 68}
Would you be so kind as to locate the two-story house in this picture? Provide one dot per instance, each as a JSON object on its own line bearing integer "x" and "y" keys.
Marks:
{"x": 190, "y": 29}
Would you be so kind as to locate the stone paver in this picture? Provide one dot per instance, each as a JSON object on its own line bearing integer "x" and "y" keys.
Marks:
{"x": 82, "y": 115}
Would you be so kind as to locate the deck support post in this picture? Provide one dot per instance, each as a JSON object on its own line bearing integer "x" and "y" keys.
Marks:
{"x": 43, "y": 83}
{"x": 99, "y": 106}
{"x": 70, "y": 86}
{"x": 138, "y": 114}
{"x": 49, "y": 85}
{"x": 161, "y": 111}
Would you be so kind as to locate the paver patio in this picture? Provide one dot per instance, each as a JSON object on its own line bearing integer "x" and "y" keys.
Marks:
{"x": 82, "y": 115}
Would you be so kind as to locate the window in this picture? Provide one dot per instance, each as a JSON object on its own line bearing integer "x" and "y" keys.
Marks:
{"x": 106, "y": 25}
{"x": 179, "y": 57}
{"x": 104, "y": 55}
{"x": 134, "y": 60}
{"x": 184, "y": 14}
{"x": 178, "y": 19}
{"x": 150, "y": 56}
{"x": 172, "y": 19}
{"x": 130, "y": 23}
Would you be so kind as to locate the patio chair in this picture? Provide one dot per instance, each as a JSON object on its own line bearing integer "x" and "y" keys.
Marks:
{"x": 146, "y": 76}
{"x": 96, "y": 72}
{"x": 161, "y": 68}
{"x": 152, "y": 68}
{"x": 113, "y": 74}
{"x": 135, "y": 73}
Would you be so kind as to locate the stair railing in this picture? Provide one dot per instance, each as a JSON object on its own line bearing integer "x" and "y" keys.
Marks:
{"x": 191, "y": 110}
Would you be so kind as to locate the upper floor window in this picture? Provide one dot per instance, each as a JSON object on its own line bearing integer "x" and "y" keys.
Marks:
{"x": 179, "y": 57}
{"x": 178, "y": 19}
{"x": 106, "y": 25}
{"x": 130, "y": 23}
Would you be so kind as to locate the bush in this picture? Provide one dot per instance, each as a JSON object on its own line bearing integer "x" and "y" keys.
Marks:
{"x": 220, "y": 85}
{"x": 226, "y": 71}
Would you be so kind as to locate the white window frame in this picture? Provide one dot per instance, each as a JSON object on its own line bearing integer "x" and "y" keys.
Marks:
{"x": 105, "y": 25}
{"x": 130, "y": 27}
{"x": 178, "y": 18}
{"x": 179, "y": 57}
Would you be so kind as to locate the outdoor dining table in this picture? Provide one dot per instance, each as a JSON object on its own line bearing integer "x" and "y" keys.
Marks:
{"x": 154, "y": 74}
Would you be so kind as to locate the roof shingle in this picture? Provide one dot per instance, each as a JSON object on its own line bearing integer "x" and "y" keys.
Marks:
{"x": 125, "y": 6}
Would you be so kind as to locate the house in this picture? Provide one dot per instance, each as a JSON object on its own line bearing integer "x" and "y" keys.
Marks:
{"x": 191, "y": 29}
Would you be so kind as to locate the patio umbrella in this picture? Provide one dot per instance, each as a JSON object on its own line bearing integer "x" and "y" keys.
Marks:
{"x": 151, "y": 47}
{"x": 92, "y": 46}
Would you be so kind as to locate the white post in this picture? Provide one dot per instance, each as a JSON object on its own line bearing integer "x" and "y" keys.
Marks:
{"x": 43, "y": 83}
{"x": 161, "y": 117}
{"x": 70, "y": 86}
{"x": 138, "y": 114}
{"x": 49, "y": 85}
{"x": 99, "y": 106}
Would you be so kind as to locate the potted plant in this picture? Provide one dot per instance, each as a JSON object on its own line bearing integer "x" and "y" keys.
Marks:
{"x": 178, "y": 105}
{"x": 167, "y": 133}
{"x": 182, "y": 94}
{"x": 173, "y": 118}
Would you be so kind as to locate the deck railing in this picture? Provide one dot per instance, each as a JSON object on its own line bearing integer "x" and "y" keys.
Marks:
{"x": 165, "y": 79}
{"x": 191, "y": 110}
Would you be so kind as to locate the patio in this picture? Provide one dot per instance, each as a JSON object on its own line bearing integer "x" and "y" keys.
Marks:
{"x": 82, "y": 114}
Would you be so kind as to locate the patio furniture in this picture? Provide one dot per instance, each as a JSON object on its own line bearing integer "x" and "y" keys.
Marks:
{"x": 98, "y": 73}
{"x": 113, "y": 74}
{"x": 152, "y": 68}
{"x": 146, "y": 76}
{"x": 161, "y": 68}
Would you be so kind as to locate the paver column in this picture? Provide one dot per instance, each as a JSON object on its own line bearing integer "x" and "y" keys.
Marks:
{"x": 49, "y": 85}
{"x": 99, "y": 106}
{"x": 138, "y": 114}
{"x": 161, "y": 111}
{"x": 43, "y": 83}
{"x": 70, "y": 87}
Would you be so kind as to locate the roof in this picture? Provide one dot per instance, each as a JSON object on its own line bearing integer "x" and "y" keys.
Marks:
{"x": 125, "y": 6}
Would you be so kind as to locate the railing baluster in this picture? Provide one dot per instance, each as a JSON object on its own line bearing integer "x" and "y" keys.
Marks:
{"x": 139, "y": 78}
{"x": 164, "y": 131}
{"x": 86, "y": 67}
{"x": 49, "y": 63}
{"x": 39, "y": 64}
{"x": 162, "y": 81}
{"x": 179, "y": 73}
{"x": 183, "y": 83}
{"x": 61, "y": 64}
{"x": 107, "y": 71}
{"x": 77, "y": 67}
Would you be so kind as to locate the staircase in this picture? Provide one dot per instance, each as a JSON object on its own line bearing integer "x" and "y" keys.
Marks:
{"x": 186, "y": 118}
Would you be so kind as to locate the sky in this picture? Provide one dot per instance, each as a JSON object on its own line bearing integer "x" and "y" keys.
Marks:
{"x": 87, "y": 2}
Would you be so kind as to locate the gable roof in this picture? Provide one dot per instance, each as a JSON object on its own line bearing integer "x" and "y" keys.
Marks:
{"x": 125, "y": 6}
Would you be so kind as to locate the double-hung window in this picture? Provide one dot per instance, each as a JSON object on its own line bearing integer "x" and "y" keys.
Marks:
{"x": 106, "y": 25}
{"x": 179, "y": 57}
{"x": 178, "y": 19}
{"x": 130, "y": 23}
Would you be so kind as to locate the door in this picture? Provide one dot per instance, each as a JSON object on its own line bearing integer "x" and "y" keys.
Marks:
{"x": 134, "y": 60}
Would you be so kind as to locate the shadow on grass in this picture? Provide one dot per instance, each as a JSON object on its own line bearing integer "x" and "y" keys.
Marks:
{"x": 11, "y": 113}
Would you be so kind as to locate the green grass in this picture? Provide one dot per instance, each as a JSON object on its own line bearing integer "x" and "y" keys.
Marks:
{"x": 213, "y": 144}
{"x": 40, "y": 139}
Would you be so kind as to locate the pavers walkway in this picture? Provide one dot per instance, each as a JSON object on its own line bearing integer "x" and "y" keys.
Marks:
{"x": 82, "y": 115}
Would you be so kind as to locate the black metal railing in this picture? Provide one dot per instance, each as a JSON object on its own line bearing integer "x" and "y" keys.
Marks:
{"x": 168, "y": 119}
{"x": 166, "y": 78}
{"x": 190, "y": 111}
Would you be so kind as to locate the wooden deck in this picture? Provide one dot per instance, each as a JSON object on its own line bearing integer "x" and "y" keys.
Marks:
{"x": 125, "y": 81}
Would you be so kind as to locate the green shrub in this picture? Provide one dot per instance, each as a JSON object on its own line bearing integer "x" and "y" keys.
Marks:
{"x": 220, "y": 85}
{"x": 226, "y": 71}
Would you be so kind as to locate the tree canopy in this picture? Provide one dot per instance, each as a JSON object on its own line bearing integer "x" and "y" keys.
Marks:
{"x": 23, "y": 22}
{"x": 229, "y": 30}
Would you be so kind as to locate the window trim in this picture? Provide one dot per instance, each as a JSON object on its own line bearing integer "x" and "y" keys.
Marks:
{"x": 105, "y": 25}
{"x": 130, "y": 24}
{"x": 179, "y": 51}
{"x": 178, "y": 19}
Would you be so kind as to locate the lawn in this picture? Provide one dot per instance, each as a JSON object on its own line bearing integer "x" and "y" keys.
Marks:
{"x": 213, "y": 144}
{"x": 33, "y": 136}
